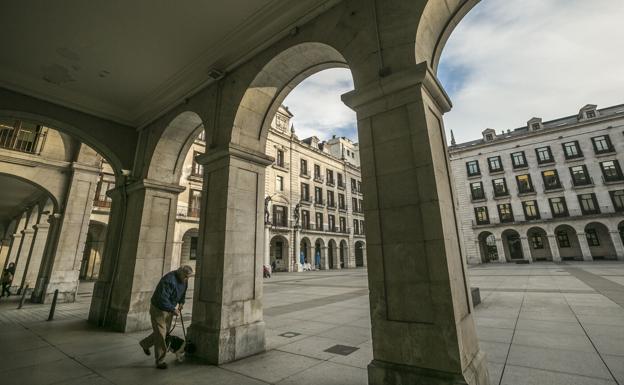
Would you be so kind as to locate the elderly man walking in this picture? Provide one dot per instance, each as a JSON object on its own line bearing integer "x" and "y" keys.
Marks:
{"x": 167, "y": 301}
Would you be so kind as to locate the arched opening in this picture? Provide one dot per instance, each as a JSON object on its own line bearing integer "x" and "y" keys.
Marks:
{"x": 279, "y": 252}
{"x": 320, "y": 258}
{"x": 539, "y": 244}
{"x": 305, "y": 252}
{"x": 331, "y": 254}
{"x": 344, "y": 254}
{"x": 93, "y": 251}
{"x": 567, "y": 241}
{"x": 621, "y": 230}
{"x": 359, "y": 254}
{"x": 599, "y": 241}
{"x": 512, "y": 245}
{"x": 188, "y": 253}
{"x": 487, "y": 247}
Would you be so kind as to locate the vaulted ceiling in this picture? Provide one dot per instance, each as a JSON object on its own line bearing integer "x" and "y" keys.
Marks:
{"x": 129, "y": 60}
{"x": 15, "y": 196}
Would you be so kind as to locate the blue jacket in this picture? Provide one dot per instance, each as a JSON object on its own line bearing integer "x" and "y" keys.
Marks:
{"x": 169, "y": 292}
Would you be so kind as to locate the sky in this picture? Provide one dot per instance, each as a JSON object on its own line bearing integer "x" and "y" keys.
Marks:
{"x": 506, "y": 62}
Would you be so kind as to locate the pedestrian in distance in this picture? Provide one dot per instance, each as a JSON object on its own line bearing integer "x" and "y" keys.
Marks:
{"x": 167, "y": 301}
{"x": 7, "y": 279}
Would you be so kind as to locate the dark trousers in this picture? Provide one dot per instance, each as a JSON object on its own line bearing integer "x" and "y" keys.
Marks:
{"x": 5, "y": 288}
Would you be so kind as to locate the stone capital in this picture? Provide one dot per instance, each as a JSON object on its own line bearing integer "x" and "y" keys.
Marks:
{"x": 42, "y": 225}
{"x": 214, "y": 155}
{"x": 418, "y": 76}
{"x": 149, "y": 184}
{"x": 27, "y": 231}
{"x": 85, "y": 168}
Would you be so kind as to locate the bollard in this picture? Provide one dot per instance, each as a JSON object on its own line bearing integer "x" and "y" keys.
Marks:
{"x": 53, "y": 307}
{"x": 21, "y": 302}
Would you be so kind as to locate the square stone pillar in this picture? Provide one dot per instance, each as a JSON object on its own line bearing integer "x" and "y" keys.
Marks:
{"x": 500, "y": 250}
{"x": 421, "y": 313}
{"x": 227, "y": 302}
{"x": 138, "y": 252}
{"x": 526, "y": 249}
{"x": 554, "y": 247}
{"x": 616, "y": 238}
{"x": 585, "y": 251}
{"x": 28, "y": 235}
{"x": 35, "y": 257}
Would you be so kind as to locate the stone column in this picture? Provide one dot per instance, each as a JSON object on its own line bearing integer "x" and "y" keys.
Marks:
{"x": 267, "y": 245}
{"x": 364, "y": 257}
{"x": 500, "y": 249}
{"x": 325, "y": 264}
{"x": 5, "y": 245}
{"x": 422, "y": 325}
{"x": 617, "y": 244}
{"x": 14, "y": 250}
{"x": 21, "y": 262}
{"x": 582, "y": 240}
{"x": 36, "y": 254}
{"x": 136, "y": 255}
{"x": 296, "y": 265}
{"x": 526, "y": 249}
{"x": 227, "y": 304}
{"x": 554, "y": 248}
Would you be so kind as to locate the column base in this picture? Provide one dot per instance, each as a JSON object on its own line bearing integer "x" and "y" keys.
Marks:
{"x": 219, "y": 346}
{"x": 386, "y": 373}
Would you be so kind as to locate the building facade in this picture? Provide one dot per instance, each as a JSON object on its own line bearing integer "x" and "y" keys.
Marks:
{"x": 548, "y": 191}
{"x": 314, "y": 203}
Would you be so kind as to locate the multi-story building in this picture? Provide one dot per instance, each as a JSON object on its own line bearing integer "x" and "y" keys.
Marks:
{"x": 547, "y": 191}
{"x": 313, "y": 201}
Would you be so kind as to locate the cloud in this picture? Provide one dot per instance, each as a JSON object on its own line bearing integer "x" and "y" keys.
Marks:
{"x": 509, "y": 61}
{"x": 317, "y": 108}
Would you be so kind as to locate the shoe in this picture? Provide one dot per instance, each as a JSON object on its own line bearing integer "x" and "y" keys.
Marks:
{"x": 147, "y": 351}
{"x": 162, "y": 365}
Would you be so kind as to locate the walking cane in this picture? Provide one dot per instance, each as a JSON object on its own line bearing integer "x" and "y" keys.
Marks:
{"x": 190, "y": 347}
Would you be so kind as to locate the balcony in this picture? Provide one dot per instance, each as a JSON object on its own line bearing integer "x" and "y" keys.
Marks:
{"x": 330, "y": 182}
{"x": 305, "y": 200}
{"x": 283, "y": 166}
{"x": 304, "y": 174}
{"x": 548, "y": 216}
{"x": 102, "y": 204}
{"x": 319, "y": 203}
{"x": 30, "y": 142}
{"x": 341, "y": 185}
{"x": 318, "y": 178}
{"x": 612, "y": 179}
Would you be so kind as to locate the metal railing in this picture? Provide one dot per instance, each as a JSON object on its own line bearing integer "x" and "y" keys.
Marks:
{"x": 549, "y": 216}
{"x": 22, "y": 140}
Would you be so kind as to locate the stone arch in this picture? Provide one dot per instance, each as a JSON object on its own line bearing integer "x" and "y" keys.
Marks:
{"x": 332, "y": 255}
{"x": 512, "y": 245}
{"x": 93, "y": 251}
{"x": 568, "y": 243}
{"x": 539, "y": 244}
{"x": 273, "y": 83}
{"x": 437, "y": 22}
{"x": 279, "y": 253}
{"x": 167, "y": 159}
{"x": 53, "y": 191}
{"x": 305, "y": 250}
{"x": 320, "y": 262}
{"x": 599, "y": 241}
{"x": 188, "y": 250}
{"x": 487, "y": 247}
{"x": 360, "y": 248}
{"x": 343, "y": 253}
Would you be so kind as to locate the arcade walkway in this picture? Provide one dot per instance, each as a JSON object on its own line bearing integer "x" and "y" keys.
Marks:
{"x": 539, "y": 324}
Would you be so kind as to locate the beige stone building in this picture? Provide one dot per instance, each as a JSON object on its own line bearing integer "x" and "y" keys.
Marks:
{"x": 314, "y": 203}
{"x": 547, "y": 191}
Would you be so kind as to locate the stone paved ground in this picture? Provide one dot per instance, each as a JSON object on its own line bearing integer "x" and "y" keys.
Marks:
{"x": 539, "y": 324}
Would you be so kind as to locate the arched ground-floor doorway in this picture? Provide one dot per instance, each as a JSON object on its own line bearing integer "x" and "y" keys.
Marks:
{"x": 512, "y": 245}
{"x": 188, "y": 253}
{"x": 319, "y": 255}
{"x": 359, "y": 254}
{"x": 599, "y": 241}
{"x": 279, "y": 252}
{"x": 331, "y": 254}
{"x": 487, "y": 247}
{"x": 93, "y": 251}
{"x": 305, "y": 251}
{"x": 539, "y": 244}
{"x": 344, "y": 254}
{"x": 568, "y": 243}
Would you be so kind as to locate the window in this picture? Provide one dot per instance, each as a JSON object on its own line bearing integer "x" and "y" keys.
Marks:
{"x": 580, "y": 177}
{"x": 194, "y": 203}
{"x": 362, "y": 227}
{"x": 525, "y": 185}
{"x": 472, "y": 168}
{"x": 505, "y": 213}
{"x": 551, "y": 180}
{"x": 592, "y": 237}
{"x": 331, "y": 223}
{"x": 193, "y": 248}
{"x": 356, "y": 226}
{"x": 330, "y": 199}
{"x": 305, "y": 219}
{"x": 572, "y": 150}
{"x": 590, "y": 114}
{"x": 476, "y": 191}
{"x": 279, "y": 159}
{"x": 317, "y": 171}
{"x": 341, "y": 202}
{"x": 562, "y": 238}
{"x": 202, "y": 136}
{"x": 359, "y": 186}
{"x": 101, "y": 199}
{"x": 558, "y": 207}
{"x": 588, "y": 203}
{"x": 353, "y": 186}
{"x": 354, "y": 204}
{"x": 617, "y": 197}
{"x": 535, "y": 126}
{"x": 22, "y": 136}
{"x": 602, "y": 144}
{"x": 281, "y": 121}
{"x": 544, "y": 155}
{"x": 500, "y": 187}
{"x": 198, "y": 169}
{"x": 494, "y": 163}
{"x": 330, "y": 177}
{"x": 318, "y": 195}
{"x": 340, "y": 181}
{"x": 361, "y": 205}
{"x": 530, "y": 210}
{"x": 489, "y": 137}
{"x": 319, "y": 221}
{"x": 536, "y": 241}
{"x": 481, "y": 214}
{"x": 611, "y": 170}
{"x": 304, "y": 167}
{"x": 518, "y": 159}
{"x": 279, "y": 183}
{"x": 343, "y": 224}
{"x": 305, "y": 192}
{"x": 280, "y": 217}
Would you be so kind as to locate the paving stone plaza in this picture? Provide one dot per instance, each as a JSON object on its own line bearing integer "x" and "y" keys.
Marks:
{"x": 538, "y": 324}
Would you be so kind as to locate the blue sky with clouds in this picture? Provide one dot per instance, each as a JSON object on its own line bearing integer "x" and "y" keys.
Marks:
{"x": 505, "y": 63}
